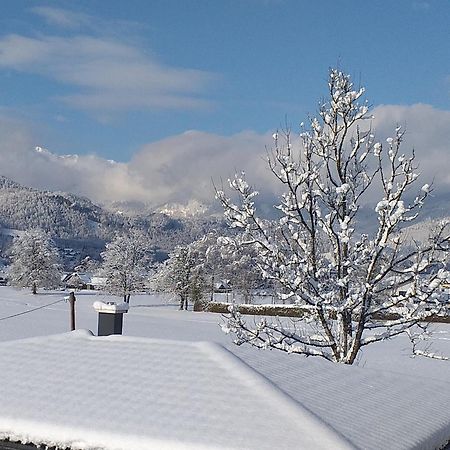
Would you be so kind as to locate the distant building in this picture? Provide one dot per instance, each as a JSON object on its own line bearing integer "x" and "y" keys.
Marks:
{"x": 77, "y": 280}
{"x": 82, "y": 280}
{"x": 222, "y": 286}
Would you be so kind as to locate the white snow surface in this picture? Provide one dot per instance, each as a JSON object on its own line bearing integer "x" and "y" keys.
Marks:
{"x": 388, "y": 400}
{"x": 110, "y": 307}
{"x": 116, "y": 392}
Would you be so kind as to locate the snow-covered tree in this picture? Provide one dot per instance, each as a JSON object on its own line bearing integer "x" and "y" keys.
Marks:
{"x": 126, "y": 264}
{"x": 317, "y": 252}
{"x": 182, "y": 274}
{"x": 192, "y": 270}
{"x": 35, "y": 261}
{"x": 240, "y": 267}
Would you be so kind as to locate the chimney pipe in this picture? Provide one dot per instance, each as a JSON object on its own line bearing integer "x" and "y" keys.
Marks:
{"x": 110, "y": 317}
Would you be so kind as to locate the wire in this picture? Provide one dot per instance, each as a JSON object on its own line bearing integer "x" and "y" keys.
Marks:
{"x": 31, "y": 310}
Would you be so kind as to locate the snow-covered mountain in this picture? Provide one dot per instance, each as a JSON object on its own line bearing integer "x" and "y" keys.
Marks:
{"x": 421, "y": 231}
{"x": 191, "y": 209}
{"x": 61, "y": 214}
{"x": 77, "y": 222}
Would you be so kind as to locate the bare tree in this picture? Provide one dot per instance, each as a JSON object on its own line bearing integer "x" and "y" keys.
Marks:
{"x": 344, "y": 278}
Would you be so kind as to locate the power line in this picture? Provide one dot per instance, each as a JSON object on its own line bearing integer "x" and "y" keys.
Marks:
{"x": 31, "y": 310}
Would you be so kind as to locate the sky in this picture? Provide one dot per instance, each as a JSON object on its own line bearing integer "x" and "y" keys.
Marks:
{"x": 177, "y": 92}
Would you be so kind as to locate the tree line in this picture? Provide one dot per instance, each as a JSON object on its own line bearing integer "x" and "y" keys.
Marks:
{"x": 190, "y": 272}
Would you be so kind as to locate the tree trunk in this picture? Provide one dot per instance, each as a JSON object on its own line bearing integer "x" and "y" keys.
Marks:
{"x": 212, "y": 288}
{"x": 181, "y": 302}
{"x": 186, "y": 301}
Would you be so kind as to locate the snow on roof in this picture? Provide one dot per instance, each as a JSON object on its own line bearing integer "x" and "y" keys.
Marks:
{"x": 372, "y": 408}
{"x": 83, "y": 277}
{"x": 116, "y": 392}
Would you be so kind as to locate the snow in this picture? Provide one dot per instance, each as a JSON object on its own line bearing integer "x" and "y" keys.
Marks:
{"x": 158, "y": 394}
{"x": 377, "y": 149}
{"x": 342, "y": 189}
{"x": 373, "y": 408}
{"x": 381, "y": 205}
{"x": 110, "y": 307}
{"x": 192, "y": 208}
{"x": 388, "y": 400}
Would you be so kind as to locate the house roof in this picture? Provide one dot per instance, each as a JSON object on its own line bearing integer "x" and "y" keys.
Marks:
{"x": 116, "y": 392}
{"x": 372, "y": 408}
{"x": 80, "y": 276}
{"x": 120, "y": 392}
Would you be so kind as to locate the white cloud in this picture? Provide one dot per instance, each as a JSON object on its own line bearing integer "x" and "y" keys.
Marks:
{"x": 86, "y": 175}
{"x": 110, "y": 75}
{"x": 70, "y": 20}
{"x": 427, "y": 132}
{"x": 175, "y": 169}
{"x": 62, "y": 17}
{"x": 180, "y": 168}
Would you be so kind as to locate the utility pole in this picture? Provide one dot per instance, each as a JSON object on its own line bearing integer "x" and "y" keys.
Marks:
{"x": 72, "y": 310}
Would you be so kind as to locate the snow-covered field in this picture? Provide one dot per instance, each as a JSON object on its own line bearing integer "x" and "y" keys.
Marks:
{"x": 218, "y": 399}
{"x": 155, "y": 316}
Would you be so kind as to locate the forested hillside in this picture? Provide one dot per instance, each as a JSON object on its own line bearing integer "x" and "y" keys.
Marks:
{"x": 77, "y": 223}
{"x": 61, "y": 214}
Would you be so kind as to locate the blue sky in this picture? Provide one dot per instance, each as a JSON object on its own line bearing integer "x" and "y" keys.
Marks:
{"x": 109, "y": 78}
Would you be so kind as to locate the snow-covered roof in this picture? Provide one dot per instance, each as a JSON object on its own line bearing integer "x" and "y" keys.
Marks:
{"x": 373, "y": 408}
{"x": 80, "y": 276}
{"x": 116, "y": 392}
{"x": 222, "y": 284}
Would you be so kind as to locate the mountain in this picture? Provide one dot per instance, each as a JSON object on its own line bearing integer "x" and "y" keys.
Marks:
{"x": 191, "y": 209}
{"x": 421, "y": 231}
{"x": 61, "y": 214}
{"x": 81, "y": 228}
{"x": 6, "y": 183}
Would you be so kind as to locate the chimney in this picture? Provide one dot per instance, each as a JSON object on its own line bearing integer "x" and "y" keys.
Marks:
{"x": 110, "y": 317}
